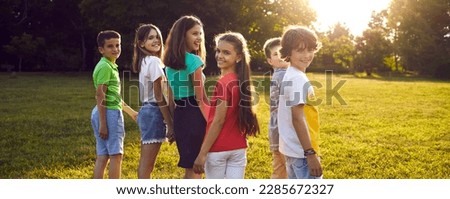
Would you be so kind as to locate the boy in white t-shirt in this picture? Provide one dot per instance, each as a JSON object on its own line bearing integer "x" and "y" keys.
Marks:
{"x": 298, "y": 120}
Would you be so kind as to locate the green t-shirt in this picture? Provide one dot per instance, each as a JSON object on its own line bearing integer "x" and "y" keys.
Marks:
{"x": 106, "y": 72}
{"x": 180, "y": 80}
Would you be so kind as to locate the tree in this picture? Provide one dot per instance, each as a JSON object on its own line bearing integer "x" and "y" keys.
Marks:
{"x": 257, "y": 20}
{"x": 338, "y": 50}
{"x": 24, "y": 46}
{"x": 422, "y": 34}
{"x": 373, "y": 46}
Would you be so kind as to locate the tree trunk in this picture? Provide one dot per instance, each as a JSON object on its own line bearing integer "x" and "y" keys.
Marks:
{"x": 83, "y": 53}
{"x": 20, "y": 63}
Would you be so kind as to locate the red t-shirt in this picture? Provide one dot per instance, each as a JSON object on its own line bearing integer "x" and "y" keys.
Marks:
{"x": 230, "y": 137}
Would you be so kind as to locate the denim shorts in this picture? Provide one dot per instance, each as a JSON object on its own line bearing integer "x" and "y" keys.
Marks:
{"x": 297, "y": 168}
{"x": 113, "y": 145}
{"x": 151, "y": 124}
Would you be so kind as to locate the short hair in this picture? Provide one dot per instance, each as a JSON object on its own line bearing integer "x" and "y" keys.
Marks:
{"x": 270, "y": 43}
{"x": 294, "y": 36}
{"x": 105, "y": 35}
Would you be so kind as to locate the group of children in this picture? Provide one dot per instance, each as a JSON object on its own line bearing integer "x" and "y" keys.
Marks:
{"x": 211, "y": 135}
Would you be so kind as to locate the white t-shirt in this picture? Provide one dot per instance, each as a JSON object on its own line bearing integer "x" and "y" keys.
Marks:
{"x": 151, "y": 70}
{"x": 294, "y": 90}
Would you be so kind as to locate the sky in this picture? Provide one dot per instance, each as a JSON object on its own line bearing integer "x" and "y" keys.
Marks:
{"x": 355, "y": 14}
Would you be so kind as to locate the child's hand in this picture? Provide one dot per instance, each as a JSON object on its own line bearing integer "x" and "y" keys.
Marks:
{"x": 134, "y": 116}
{"x": 199, "y": 164}
{"x": 170, "y": 135}
{"x": 315, "y": 169}
{"x": 103, "y": 132}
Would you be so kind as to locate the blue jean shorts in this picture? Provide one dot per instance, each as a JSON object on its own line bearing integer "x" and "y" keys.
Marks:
{"x": 151, "y": 124}
{"x": 297, "y": 168}
{"x": 113, "y": 145}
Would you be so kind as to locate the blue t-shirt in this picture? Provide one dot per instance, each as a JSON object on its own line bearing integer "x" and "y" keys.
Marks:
{"x": 180, "y": 80}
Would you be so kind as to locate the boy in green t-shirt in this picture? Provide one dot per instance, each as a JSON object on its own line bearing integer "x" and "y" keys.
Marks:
{"x": 107, "y": 117}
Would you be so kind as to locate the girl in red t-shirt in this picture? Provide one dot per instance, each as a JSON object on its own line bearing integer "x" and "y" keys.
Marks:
{"x": 230, "y": 119}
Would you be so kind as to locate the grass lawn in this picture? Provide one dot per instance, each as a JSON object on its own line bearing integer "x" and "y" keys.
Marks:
{"x": 371, "y": 128}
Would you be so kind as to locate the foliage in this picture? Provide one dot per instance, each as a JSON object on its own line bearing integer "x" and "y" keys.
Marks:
{"x": 257, "y": 20}
{"x": 373, "y": 46}
{"x": 337, "y": 50}
{"x": 25, "y": 47}
{"x": 417, "y": 29}
{"x": 422, "y": 34}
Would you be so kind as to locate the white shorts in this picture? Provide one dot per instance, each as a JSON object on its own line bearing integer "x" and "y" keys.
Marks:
{"x": 226, "y": 164}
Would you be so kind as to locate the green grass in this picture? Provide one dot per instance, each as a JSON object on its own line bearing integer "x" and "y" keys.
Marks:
{"x": 393, "y": 127}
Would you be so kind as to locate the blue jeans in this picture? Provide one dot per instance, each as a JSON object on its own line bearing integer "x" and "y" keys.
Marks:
{"x": 297, "y": 168}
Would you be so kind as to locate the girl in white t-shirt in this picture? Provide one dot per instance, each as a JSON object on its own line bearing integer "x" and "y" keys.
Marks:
{"x": 155, "y": 113}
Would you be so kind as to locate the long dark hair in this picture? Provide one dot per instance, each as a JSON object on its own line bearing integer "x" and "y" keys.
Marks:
{"x": 140, "y": 53}
{"x": 248, "y": 123}
{"x": 175, "y": 51}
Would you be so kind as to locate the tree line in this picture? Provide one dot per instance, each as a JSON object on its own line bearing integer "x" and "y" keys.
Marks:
{"x": 59, "y": 35}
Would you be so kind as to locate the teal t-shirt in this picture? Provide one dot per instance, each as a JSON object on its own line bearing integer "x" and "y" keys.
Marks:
{"x": 180, "y": 80}
{"x": 106, "y": 72}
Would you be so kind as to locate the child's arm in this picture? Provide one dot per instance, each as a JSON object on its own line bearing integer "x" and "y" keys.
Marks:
{"x": 163, "y": 107}
{"x": 100, "y": 95}
{"x": 170, "y": 136}
{"x": 200, "y": 93}
{"x": 170, "y": 98}
{"x": 211, "y": 136}
{"x": 132, "y": 113}
{"x": 298, "y": 120}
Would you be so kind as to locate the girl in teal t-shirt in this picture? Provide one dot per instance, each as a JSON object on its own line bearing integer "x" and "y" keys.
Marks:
{"x": 184, "y": 57}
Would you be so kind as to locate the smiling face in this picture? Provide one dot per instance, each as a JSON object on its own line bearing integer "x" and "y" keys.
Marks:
{"x": 194, "y": 38}
{"x": 226, "y": 56}
{"x": 111, "y": 49}
{"x": 301, "y": 57}
{"x": 152, "y": 43}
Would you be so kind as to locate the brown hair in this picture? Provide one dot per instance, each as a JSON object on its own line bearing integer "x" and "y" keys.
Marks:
{"x": 105, "y": 35}
{"x": 298, "y": 37}
{"x": 141, "y": 36}
{"x": 270, "y": 43}
{"x": 175, "y": 51}
{"x": 248, "y": 123}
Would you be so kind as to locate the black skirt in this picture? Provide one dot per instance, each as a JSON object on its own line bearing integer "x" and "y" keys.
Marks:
{"x": 189, "y": 129}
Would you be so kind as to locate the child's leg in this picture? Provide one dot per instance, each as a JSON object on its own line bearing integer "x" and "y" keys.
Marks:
{"x": 153, "y": 134}
{"x": 148, "y": 159}
{"x": 100, "y": 165}
{"x": 116, "y": 137}
{"x": 279, "y": 166}
{"x": 115, "y": 166}
{"x": 236, "y": 163}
